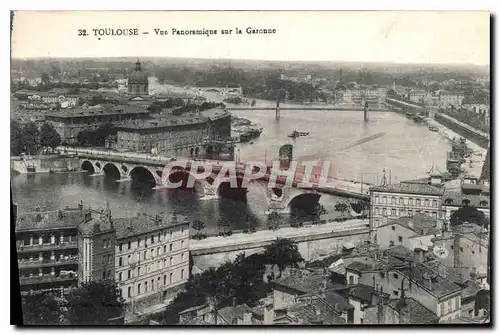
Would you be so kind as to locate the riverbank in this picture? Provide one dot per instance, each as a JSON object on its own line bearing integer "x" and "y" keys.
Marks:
{"x": 44, "y": 164}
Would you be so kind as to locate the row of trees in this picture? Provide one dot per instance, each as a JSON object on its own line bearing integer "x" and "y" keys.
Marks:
{"x": 93, "y": 303}
{"x": 29, "y": 139}
{"x": 241, "y": 279}
{"x": 96, "y": 137}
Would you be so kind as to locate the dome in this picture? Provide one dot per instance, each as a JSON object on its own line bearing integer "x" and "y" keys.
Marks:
{"x": 137, "y": 76}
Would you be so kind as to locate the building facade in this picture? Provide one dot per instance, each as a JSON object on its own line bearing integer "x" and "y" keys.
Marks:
{"x": 151, "y": 258}
{"x": 393, "y": 201}
{"x": 451, "y": 98}
{"x": 69, "y": 123}
{"x": 177, "y": 135}
{"x": 47, "y": 249}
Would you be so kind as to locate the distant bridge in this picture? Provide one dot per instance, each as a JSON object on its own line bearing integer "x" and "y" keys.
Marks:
{"x": 237, "y": 91}
{"x": 310, "y": 108}
{"x": 128, "y": 166}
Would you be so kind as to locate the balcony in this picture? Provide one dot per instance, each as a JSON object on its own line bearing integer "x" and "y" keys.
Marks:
{"x": 37, "y": 263}
{"x": 47, "y": 246}
{"x": 47, "y": 278}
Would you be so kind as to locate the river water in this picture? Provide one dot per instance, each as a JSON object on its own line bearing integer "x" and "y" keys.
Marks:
{"x": 406, "y": 149}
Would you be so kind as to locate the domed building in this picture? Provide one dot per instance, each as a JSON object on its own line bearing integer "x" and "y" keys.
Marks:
{"x": 138, "y": 81}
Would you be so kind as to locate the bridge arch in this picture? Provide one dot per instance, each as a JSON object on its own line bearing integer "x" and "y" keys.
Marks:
{"x": 305, "y": 202}
{"x": 144, "y": 174}
{"x": 178, "y": 174}
{"x": 88, "y": 166}
{"x": 111, "y": 170}
{"x": 224, "y": 189}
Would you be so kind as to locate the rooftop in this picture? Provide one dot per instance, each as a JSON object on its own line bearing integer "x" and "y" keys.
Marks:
{"x": 409, "y": 188}
{"x": 416, "y": 313}
{"x": 141, "y": 224}
{"x": 67, "y": 218}
{"x": 314, "y": 312}
{"x": 175, "y": 121}
{"x": 369, "y": 266}
{"x": 303, "y": 283}
{"x": 419, "y": 223}
{"x": 98, "y": 110}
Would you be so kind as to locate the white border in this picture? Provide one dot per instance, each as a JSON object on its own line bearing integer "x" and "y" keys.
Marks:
{"x": 187, "y": 5}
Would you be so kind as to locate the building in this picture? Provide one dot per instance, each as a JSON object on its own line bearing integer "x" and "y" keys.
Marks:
{"x": 54, "y": 96}
{"x": 452, "y": 201}
{"x": 96, "y": 244}
{"x": 410, "y": 232}
{"x": 447, "y": 98}
{"x": 47, "y": 249}
{"x": 400, "y": 311}
{"x": 467, "y": 250}
{"x": 207, "y": 314}
{"x": 390, "y": 202}
{"x": 69, "y": 123}
{"x": 151, "y": 258}
{"x": 191, "y": 135}
{"x": 138, "y": 82}
{"x": 424, "y": 284}
{"x": 416, "y": 96}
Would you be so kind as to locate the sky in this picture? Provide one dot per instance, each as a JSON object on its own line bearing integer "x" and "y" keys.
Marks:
{"x": 449, "y": 37}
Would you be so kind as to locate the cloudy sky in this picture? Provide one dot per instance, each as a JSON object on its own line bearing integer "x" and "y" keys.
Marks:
{"x": 403, "y": 37}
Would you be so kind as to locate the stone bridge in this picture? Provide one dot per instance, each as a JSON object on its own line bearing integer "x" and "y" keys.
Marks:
{"x": 222, "y": 90}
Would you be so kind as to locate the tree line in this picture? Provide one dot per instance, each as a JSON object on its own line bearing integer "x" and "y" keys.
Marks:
{"x": 93, "y": 303}
{"x": 27, "y": 138}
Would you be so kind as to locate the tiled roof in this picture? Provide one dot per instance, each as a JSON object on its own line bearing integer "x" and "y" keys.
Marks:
{"x": 365, "y": 267}
{"x": 419, "y": 223}
{"x": 457, "y": 198}
{"x": 230, "y": 313}
{"x": 305, "y": 283}
{"x": 471, "y": 289}
{"x": 315, "y": 312}
{"x": 97, "y": 219}
{"x": 49, "y": 220}
{"x": 126, "y": 227}
{"x": 98, "y": 110}
{"x": 416, "y": 313}
{"x": 409, "y": 188}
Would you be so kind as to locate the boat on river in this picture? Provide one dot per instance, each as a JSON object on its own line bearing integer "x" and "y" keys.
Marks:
{"x": 295, "y": 134}
{"x": 433, "y": 128}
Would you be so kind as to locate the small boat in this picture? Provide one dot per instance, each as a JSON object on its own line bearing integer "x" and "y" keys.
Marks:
{"x": 296, "y": 134}
{"x": 409, "y": 115}
{"x": 433, "y": 128}
{"x": 251, "y": 142}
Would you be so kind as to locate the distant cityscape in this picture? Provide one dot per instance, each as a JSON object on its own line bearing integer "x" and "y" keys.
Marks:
{"x": 90, "y": 140}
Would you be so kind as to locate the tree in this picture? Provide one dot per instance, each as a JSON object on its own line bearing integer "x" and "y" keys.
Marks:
{"x": 49, "y": 136}
{"x": 253, "y": 103}
{"x": 30, "y": 138}
{"x": 15, "y": 138}
{"x": 94, "y": 303}
{"x": 342, "y": 208}
{"x": 41, "y": 309}
{"x": 468, "y": 214}
{"x": 198, "y": 225}
{"x": 283, "y": 252}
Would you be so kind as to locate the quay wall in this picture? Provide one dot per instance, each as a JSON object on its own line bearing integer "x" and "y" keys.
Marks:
{"x": 476, "y": 138}
{"x": 311, "y": 247}
{"x": 45, "y": 164}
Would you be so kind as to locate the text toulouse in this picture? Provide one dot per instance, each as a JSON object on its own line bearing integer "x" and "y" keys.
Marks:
{"x": 174, "y": 31}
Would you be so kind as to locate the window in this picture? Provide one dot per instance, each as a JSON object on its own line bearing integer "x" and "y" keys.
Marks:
{"x": 159, "y": 237}
{"x": 418, "y": 202}
{"x": 129, "y": 291}
{"x": 158, "y": 265}
{"x": 434, "y": 215}
{"x": 164, "y": 249}
{"x": 171, "y": 261}
{"x": 171, "y": 233}
{"x": 139, "y": 271}
{"x": 351, "y": 280}
{"x": 461, "y": 249}
{"x": 393, "y": 200}
{"x": 164, "y": 279}
{"x": 128, "y": 259}
{"x": 377, "y": 200}
{"x": 121, "y": 248}
{"x": 139, "y": 243}
{"x": 400, "y": 201}
{"x": 182, "y": 244}
{"x": 449, "y": 305}
{"x": 442, "y": 308}
{"x": 411, "y": 201}
{"x": 129, "y": 274}
{"x": 129, "y": 245}
{"x": 182, "y": 257}
{"x": 395, "y": 292}
{"x": 138, "y": 288}
{"x": 152, "y": 284}
{"x": 145, "y": 254}
{"x": 120, "y": 262}
{"x": 171, "y": 277}
{"x": 120, "y": 274}
{"x": 104, "y": 274}
{"x": 182, "y": 230}
{"x": 400, "y": 238}
{"x": 391, "y": 243}
{"x": 158, "y": 251}
{"x": 170, "y": 247}
{"x": 164, "y": 262}
{"x": 152, "y": 252}
{"x": 410, "y": 212}
{"x": 385, "y": 200}
{"x": 389, "y": 212}
{"x": 152, "y": 239}
{"x": 104, "y": 242}
{"x": 434, "y": 203}
{"x": 395, "y": 275}
{"x": 384, "y": 211}
{"x": 158, "y": 283}
{"x": 426, "y": 202}
{"x": 182, "y": 274}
